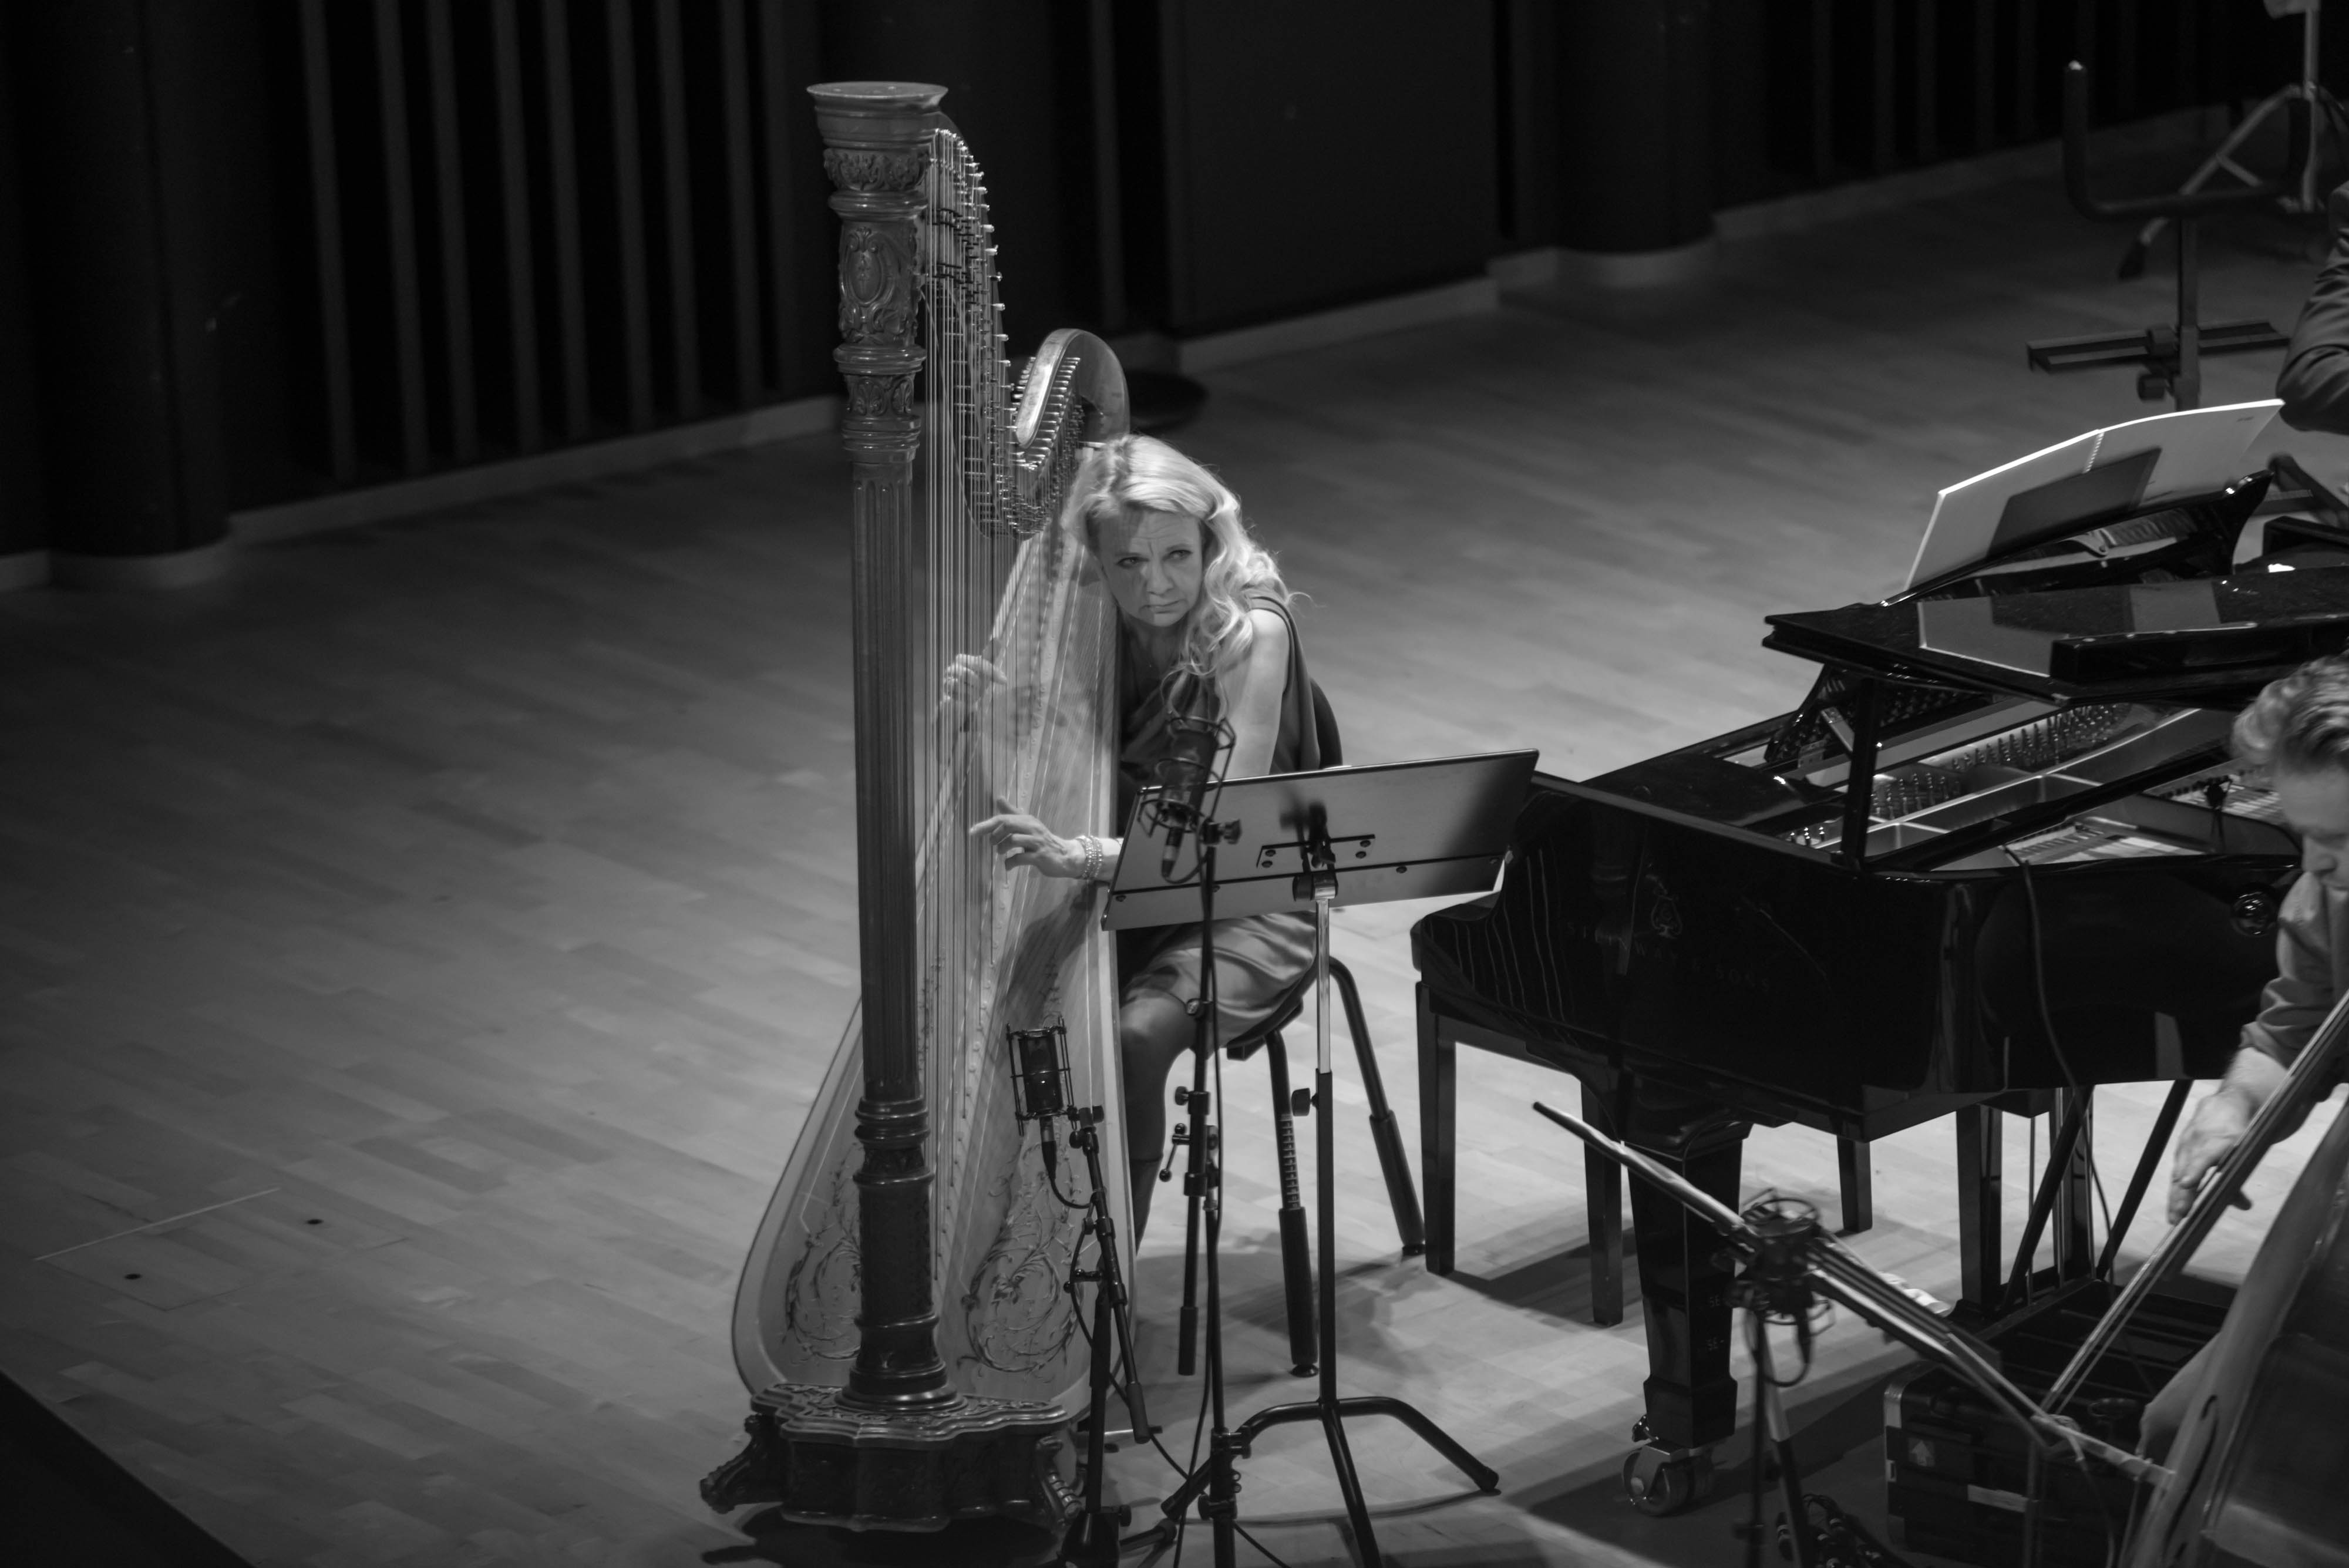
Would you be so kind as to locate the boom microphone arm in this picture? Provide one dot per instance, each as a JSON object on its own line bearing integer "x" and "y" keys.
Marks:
{"x": 1840, "y": 1275}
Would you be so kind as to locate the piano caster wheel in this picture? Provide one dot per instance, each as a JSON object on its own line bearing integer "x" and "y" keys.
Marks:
{"x": 1658, "y": 1482}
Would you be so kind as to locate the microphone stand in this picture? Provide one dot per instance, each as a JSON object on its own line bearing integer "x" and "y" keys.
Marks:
{"x": 1784, "y": 1250}
{"x": 1777, "y": 1288}
{"x": 1092, "y": 1539}
{"x": 1452, "y": 815}
{"x": 1202, "y": 1185}
{"x": 1319, "y": 881}
{"x": 1039, "y": 1093}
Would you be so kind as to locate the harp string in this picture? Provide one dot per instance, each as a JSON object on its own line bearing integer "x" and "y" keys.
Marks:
{"x": 970, "y": 758}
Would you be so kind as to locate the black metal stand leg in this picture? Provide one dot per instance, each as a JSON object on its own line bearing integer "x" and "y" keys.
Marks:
{"x": 1757, "y": 1482}
{"x": 1402, "y": 1197}
{"x": 1325, "y": 1150}
{"x": 2155, "y": 1143}
{"x": 1982, "y": 1196}
{"x": 1222, "y": 1508}
{"x": 1434, "y": 1437}
{"x": 2043, "y": 1203}
{"x": 1296, "y": 1248}
{"x": 2187, "y": 389}
{"x": 1770, "y": 1414}
{"x": 1194, "y": 1191}
{"x": 1438, "y": 1103}
{"x": 1327, "y": 1407}
{"x": 1092, "y": 1540}
{"x": 2076, "y": 1212}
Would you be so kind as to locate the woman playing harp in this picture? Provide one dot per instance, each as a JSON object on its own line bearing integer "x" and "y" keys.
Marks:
{"x": 1203, "y": 631}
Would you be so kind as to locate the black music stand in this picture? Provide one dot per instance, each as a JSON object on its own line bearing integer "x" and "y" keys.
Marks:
{"x": 2168, "y": 357}
{"x": 1343, "y": 836}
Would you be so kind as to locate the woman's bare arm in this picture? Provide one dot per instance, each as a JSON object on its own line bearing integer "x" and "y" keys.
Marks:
{"x": 1252, "y": 697}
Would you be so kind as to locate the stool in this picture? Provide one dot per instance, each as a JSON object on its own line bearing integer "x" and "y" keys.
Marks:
{"x": 1402, "y": 1195}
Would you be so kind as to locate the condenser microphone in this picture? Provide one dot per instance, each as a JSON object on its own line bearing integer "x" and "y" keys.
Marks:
{"x": 1186, "y": 771}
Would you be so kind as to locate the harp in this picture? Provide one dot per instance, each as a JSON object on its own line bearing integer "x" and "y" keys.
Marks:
{"x": 904, "y": 1322}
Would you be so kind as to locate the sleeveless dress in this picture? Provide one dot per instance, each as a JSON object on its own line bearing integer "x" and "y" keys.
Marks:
{"x": 1257, "y": 957}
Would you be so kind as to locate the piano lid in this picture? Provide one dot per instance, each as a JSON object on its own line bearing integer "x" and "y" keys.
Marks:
{"x": 2205, "y": 641}
{"x": 2091, "y": 479}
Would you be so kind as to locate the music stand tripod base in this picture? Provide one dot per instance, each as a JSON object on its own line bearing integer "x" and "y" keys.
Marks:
{"x": 1451, "y": 817}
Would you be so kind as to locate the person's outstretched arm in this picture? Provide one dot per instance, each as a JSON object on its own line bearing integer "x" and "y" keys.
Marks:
{"x": 2314, "y": 385}
{"x": 2295, "y": 1001}
{"x": 1252, "y": 693}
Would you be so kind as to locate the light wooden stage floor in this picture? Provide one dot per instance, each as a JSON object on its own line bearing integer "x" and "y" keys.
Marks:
{"x": 420, "y": 950}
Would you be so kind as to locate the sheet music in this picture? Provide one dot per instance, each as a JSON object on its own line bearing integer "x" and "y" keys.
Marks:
{"x": 2187, "y": 454}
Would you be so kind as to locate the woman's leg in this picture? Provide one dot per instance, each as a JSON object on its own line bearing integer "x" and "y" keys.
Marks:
{"x": 1153, "y": 1032}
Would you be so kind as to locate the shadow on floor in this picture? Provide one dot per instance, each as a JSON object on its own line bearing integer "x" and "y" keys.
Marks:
{"x": 1555, "y": 1284}
{"x": 1838, "y": 1443}
{"x": 979, "y": 1543}
{"x": 69, "y": 1504}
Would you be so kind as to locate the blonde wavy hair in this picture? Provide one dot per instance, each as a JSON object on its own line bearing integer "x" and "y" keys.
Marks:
{"x": 1131, "y": 475}
{"x": 2300, "y": 723}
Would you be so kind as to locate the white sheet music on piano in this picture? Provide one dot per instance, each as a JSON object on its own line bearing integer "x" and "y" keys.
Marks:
{"x": 2191, "y": 452}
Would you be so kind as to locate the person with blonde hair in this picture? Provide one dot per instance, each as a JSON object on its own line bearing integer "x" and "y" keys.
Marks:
{"x": 2298, "y": 730}
{"x": 1203, "y": 630}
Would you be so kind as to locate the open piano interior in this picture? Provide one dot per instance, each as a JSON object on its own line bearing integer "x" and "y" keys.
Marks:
{"x": 1996, "y": 768}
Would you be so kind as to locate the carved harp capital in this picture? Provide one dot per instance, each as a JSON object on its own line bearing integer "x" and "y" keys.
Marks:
{"x": 871, "y": 394}
{"x": 861, "y": 169}
{"x": 879, "y": 283}
{"x": 876, "y": 150}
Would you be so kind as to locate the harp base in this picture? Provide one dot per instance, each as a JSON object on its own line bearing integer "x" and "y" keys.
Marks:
{"x": 821, "y": 1461}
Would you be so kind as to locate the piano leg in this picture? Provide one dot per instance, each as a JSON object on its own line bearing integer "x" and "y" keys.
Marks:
{"x": 1691, "y": 1392}
{"x": 1438, "y": 1111}
{"x": 1856, "y": 1174}
{"x": 2076, "y": 1202}
{"x": 1603, "y": 1198}
{"x": 1981, "y": 1156}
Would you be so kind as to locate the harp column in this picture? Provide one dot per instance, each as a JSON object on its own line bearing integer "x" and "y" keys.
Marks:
{"x": 876, "y": 139}
{"x": 900, "y": 1446}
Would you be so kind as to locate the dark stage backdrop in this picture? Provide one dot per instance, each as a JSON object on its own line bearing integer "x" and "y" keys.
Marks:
{"x": 256, "y": 250}
{"x": 1306, "y": 153}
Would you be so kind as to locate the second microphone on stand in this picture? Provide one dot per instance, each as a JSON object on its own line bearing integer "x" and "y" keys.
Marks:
{"x": 1187, "y": 776}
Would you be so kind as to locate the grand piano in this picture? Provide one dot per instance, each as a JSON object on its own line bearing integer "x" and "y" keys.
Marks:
{"x": 1999, "y": 855}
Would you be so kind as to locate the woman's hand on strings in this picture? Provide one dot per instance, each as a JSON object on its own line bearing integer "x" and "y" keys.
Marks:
{"x": 969, "y": 683}
{"x": 1024, "y": 841}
